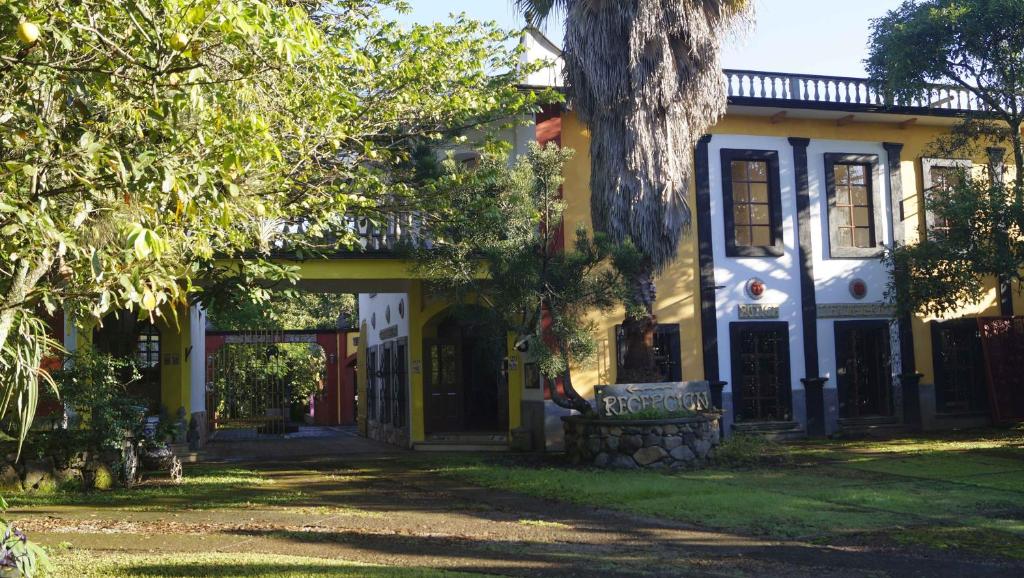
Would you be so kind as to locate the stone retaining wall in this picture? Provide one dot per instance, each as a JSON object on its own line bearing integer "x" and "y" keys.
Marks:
{"x": 387, "y": 433}
{"x": 631, "y": 444}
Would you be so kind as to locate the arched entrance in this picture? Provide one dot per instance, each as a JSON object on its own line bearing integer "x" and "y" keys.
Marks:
{"x": 465, "y": 384}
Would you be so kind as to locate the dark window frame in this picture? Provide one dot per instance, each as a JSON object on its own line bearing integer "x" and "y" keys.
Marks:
{"x": 776, "y": 248}
{"x": 876, "y": 215}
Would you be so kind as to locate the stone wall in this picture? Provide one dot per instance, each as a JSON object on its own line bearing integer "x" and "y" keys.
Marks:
{"x": 630, "y": 444}
{"x": 387, "y": 433}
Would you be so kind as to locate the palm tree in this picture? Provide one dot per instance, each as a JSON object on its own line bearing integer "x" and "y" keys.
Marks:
{"x": 645, "y": 76}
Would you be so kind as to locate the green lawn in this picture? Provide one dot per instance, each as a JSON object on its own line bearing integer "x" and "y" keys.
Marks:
{"x": 961, "y": 492}
{"x": 75, "y": 564}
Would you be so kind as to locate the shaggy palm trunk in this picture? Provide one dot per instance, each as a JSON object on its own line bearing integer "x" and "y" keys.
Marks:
{"x": 646, "y": 78}
{"x": 638, "y": 334}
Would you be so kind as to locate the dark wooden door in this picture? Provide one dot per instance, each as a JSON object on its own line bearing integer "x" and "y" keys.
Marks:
{"x": 760, "y": 370}
{"x": 443, "y": 386}
{"x": 862, "y": 368}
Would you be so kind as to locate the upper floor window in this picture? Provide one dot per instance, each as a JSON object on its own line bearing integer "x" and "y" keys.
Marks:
{"x": 753, "y": 205}
{"x": 940, "y": 176}
{"x": 853, "y": 211}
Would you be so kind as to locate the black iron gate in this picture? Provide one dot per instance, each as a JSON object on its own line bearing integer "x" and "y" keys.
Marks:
{"x": 246, "y": 386}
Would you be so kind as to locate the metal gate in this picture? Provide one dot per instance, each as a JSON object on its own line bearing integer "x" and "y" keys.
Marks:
{"x": 1002, "y": 340}
{"x": 246, "y": 387}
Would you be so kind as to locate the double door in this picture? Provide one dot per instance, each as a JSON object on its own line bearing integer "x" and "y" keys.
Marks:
{"x": 863, "y": 368}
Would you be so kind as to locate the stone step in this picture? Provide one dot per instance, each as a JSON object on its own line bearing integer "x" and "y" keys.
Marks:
{"x": 184, "y": 454}
{"x": 472, "y": 437}
{"x": 873, "y": 426}
{"x": 460, "y": 446}
{"x": 772, "y": 430}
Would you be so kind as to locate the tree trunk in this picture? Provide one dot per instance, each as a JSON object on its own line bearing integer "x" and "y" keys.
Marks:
{"x": 638, "y": 334}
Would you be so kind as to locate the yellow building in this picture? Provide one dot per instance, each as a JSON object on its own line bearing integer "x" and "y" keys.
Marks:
{"x": 777, "y": 294}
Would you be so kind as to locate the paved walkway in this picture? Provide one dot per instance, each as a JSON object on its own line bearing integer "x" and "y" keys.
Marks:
{"x": 391, "y": 509}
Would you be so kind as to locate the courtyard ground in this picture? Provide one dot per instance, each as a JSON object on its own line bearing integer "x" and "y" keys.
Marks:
{"x": 951, "y": 506}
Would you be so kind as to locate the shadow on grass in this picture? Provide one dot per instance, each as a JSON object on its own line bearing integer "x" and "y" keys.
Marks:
{"x": 84, "y": 564}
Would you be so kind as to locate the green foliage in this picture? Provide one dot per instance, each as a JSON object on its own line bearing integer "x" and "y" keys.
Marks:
{"x": 93, "y": 385}
{"x": 495, "y": 245}
{"x": 948, "y": 269}
{"x": 19, "y": 555}
{"x": 141, "y": 140}
{"x": 976, "y": 46}
{"x": 287, "y": 310}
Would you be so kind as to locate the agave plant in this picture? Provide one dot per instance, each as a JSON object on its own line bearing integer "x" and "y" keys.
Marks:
{"x": 645, "y": 76}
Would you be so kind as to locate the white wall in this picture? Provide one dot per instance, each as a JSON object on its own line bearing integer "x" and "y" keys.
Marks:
{"x": 376, "y": 306}
{"x": 832, "y": 276}
{"x": 781, "y": 275}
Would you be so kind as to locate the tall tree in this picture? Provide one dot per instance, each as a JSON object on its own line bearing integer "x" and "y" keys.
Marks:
{"x": 645, "y": 76}
{"x": 975, "y": 46}
{"x": 494, "y": 252}
{"x": 140, "y": 139}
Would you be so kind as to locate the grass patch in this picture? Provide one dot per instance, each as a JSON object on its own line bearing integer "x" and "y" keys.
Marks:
{"x": 940, "y": 493}
{"x": 203, "y": 488}
{"x": 76, "y": 563}
{"x": 747, "y": 451}
{"x": 545, "y": 524}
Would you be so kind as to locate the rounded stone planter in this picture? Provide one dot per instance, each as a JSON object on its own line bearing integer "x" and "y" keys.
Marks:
{"x": 644, "y": 443}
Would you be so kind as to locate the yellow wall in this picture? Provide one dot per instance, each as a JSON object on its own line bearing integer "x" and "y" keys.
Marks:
{"x": 175, "y": 360}
{"x": 678, "y": 287}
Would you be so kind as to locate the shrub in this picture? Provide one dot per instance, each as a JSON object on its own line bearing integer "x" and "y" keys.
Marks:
{"x": 747, "y": 451}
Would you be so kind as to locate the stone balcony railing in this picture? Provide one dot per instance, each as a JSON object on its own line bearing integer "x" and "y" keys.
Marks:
{"x": 758, "y": 88}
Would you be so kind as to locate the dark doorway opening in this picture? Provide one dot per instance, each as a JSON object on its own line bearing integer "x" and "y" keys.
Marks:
{"x": 863, "y": 368}
{"x": 465, "y": 387}
{"x": 124, "y": 335}
{"x": 760, "y": 370}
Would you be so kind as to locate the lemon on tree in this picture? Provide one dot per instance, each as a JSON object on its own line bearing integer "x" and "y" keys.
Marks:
{"x": 178, "y": 41}
{"x": 28, "y": 32}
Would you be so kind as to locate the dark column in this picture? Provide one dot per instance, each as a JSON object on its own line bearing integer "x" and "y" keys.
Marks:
{"x": 996, "y": 168}
{"x": 706, "y": 260}
{"x": 813, "y": 383}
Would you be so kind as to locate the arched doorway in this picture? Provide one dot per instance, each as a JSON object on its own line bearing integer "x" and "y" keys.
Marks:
{"x": 465, "y": 384}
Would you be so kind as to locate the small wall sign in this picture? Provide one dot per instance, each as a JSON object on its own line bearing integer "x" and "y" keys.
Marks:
{"x": 846, "y": 310}
{"x": 416, "y": 366}
{"x": 390, "y": 332}
{"x": 624, "y": 399}
{"x": 758, "y": 311}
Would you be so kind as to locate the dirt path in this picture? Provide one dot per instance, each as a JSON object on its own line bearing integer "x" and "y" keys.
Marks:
{"x": 388, "y": 510}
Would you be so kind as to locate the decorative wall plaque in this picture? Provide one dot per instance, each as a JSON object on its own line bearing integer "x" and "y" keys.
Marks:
{"x": 846, "y": 310}
{"x": 755, "y": 288}
{"x": 858, "y": 289}
{"x": 759, "y": 311}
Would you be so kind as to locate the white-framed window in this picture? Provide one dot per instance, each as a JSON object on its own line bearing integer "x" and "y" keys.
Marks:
{"x": 939, "y": 176}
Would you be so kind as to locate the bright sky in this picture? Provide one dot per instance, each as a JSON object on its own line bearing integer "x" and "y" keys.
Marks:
{"x": 809, "y": 36}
